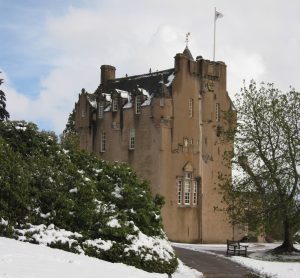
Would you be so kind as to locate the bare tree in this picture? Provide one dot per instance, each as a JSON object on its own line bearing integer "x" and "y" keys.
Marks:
{"x": 266, "y": 158}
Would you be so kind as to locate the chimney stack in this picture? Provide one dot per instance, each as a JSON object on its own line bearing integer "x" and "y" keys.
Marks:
{"x": 107, "y": 73}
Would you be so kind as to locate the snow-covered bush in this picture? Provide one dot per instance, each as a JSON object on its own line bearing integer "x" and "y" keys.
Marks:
{"x": 66, "y": 198}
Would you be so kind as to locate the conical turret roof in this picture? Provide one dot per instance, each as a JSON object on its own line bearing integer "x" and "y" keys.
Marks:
{"x": 188, "y": 53}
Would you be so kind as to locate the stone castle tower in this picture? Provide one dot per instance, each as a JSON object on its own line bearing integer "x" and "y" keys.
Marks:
{"x": 167, "y": 126}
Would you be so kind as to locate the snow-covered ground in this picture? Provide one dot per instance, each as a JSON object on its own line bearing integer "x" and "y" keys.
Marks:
{"x": 265, "y": 268}
{"x": 24, "y": 260}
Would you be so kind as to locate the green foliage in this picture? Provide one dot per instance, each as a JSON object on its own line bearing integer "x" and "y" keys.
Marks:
{"x": 265, "y": 192}
{"x": 4, "y": 115}
{"x": 42, "y": 182}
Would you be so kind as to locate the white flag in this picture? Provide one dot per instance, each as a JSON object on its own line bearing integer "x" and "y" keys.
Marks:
{"x": 218, "y": 15}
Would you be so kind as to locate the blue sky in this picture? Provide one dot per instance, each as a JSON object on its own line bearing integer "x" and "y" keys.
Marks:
{"x": 22, "y": 25}
{"x": 51, "y": 49}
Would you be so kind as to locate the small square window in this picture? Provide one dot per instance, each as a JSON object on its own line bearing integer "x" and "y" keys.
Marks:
{"x": 188, "y": 175}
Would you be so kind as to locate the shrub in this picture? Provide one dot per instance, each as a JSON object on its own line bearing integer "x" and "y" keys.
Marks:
{"x": 87, "y": 205}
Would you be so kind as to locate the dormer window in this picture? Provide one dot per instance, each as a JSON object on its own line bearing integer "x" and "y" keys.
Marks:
{"x": 100, "y": 110}
{"x": 138, "y": 104}
{"x": 115, "y": 104}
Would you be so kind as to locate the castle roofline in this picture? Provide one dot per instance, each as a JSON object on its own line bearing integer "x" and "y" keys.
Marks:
{"x": 145, "y": 75}
{"x": 156, "y": 83}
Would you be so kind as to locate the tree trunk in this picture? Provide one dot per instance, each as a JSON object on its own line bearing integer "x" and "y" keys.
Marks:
{"x": 287, "y": 245}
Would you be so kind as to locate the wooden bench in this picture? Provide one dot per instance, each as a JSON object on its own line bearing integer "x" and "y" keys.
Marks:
{"x": 236, "y": 249}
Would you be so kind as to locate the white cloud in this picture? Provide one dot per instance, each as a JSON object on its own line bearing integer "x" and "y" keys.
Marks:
{"x": 137, "y": 35}
{"x": 243, "y": 66}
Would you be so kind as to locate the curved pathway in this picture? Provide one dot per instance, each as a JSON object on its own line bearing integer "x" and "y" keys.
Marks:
{"x": 212, "y": 265}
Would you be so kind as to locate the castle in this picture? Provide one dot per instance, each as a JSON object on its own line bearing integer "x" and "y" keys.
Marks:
{"x": 167, "y": 125}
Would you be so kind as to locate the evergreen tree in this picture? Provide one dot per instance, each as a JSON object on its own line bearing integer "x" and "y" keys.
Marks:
{"x": 70, "y": 126}
{"x": 70, "y": 134}
{"x": 4, "y": 115}
{"x": 54, "y": 186}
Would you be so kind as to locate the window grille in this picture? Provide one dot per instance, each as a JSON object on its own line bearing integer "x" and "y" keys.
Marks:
{"x": 195, "y": 194}
{"x": 187, "y": 192}
{"x": 179, "y": 192}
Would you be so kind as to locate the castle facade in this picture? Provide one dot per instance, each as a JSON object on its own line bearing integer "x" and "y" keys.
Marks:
{"x": 167, "y": 125}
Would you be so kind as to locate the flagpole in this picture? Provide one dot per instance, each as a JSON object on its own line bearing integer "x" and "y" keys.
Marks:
{"x": 214, "y": 35}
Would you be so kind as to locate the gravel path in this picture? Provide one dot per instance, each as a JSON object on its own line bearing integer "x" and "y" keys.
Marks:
{"x": 211, "y": 265}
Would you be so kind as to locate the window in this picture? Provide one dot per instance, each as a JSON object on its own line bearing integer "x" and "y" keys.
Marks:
{"x": 179, "y": 192}
{"x": 100, "y": 110}
{"x": 103, "y": 142}
{"x": 185, "y": 142}
{"x": 132, "y": 139}
{"x": 195, "y": 194}
{"x": 191, "y": 108}
{"x": 83, "y": 114}
{"x": 115, "y": 105}
{"x": 187, "y": 191}
{"x": 115, "y": 125}
{"x": 187, "y": 187}
{"x": 188, "y": 175}
{"x": 217, "y": 112}
{"x": 162, "y": 102}
{"x": 138, "y": 104}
